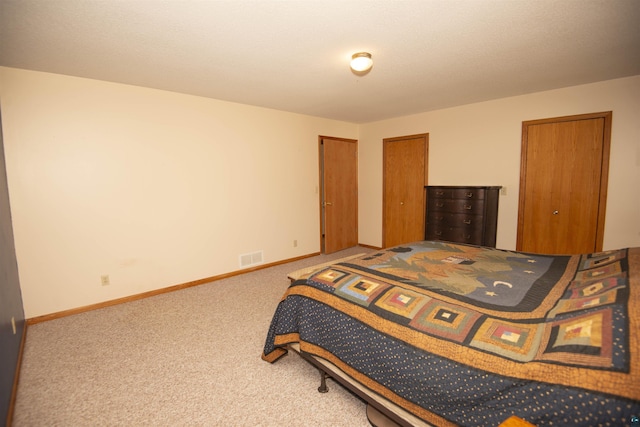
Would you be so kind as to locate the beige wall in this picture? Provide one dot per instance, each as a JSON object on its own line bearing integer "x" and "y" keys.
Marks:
{"x": 479, "y": 144}
{"x": 152, "y": 188}
{"x": 156, "y": 188}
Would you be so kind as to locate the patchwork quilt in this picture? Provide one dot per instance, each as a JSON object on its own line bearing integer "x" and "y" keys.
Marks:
{"x": 467, "y": 335}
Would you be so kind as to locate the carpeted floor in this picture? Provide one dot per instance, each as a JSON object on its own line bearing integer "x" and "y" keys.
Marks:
{"x": 185, "y": 358}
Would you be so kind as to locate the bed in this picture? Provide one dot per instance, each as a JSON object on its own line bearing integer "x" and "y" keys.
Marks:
{"x": 437, "y": 333}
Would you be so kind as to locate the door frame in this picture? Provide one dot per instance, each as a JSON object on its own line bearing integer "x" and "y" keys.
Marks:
{"x": 426, "y": 177}
{"x": 604, "y": 178}
{"x": 321, "y": 189}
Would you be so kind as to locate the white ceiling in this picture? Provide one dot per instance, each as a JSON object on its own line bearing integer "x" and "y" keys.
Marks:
{"x": 293, "y": 55}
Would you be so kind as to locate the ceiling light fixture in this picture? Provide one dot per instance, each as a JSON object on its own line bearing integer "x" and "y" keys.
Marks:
{"x": 361, "y": 61}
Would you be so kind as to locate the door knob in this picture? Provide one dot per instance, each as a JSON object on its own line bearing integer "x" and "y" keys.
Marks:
{"x": 402, "y": 203}
{"x": 327, "y": 203}
{"x": 555, "y": 212}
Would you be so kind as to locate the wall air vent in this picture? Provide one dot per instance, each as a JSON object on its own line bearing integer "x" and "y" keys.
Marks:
{"x": 249, "y": 260}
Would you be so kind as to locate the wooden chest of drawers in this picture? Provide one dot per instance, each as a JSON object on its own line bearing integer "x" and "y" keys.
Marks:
{"x": 462, "y": 214}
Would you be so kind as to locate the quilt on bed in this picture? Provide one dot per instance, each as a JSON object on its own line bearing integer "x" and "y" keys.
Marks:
{"x": 467, "y": 335}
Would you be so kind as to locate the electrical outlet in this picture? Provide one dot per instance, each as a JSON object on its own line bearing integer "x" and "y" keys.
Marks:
{"x": 295, "y": 243}
{"x": 13, "y": 325}
{"x": 104, "y": 279}
{"x": 503, "y": 191}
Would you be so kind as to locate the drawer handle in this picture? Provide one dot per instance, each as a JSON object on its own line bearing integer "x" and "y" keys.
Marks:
{"x": 469, "y": 194}
{"x": 439, "y": 193}
{"x": 468, "y": 207}
{"x": 438, "y": 233}
{"x": 468, "y": 236}
{"x": 467, "y": 221}
{"x": 439, "y": 205}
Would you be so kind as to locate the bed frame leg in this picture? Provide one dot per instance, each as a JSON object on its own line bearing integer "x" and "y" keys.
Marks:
{"x": 323, "y": 382}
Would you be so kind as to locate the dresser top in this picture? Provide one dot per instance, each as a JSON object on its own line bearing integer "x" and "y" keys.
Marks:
{"x": 454, "y": 187}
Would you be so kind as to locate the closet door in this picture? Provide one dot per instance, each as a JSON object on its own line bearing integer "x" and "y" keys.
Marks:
{"x": 563, "y": 184}
{"x": 404, "y": 180}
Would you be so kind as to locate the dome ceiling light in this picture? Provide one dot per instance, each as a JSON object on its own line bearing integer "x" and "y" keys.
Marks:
{"x": 361, "y": 62}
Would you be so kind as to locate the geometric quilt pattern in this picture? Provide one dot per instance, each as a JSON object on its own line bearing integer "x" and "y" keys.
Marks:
{"x": 445, "y": 320}
{"x": 578, "y": 324}
{"x": 513, "y": 340}
{"x": 402, "y": 302}
{"x": 361, "y": 290}
{"x": 578, "y": 303}
{"x": 390, "y": 316}
{"x": 589, "y": 336}
{"x": 599, "y": 259}
{"x": 330, "y": 276}
{"x": 579, "y": 289}
{"x": 609, "y": 270}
